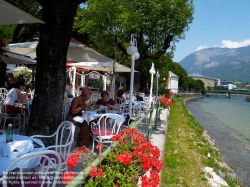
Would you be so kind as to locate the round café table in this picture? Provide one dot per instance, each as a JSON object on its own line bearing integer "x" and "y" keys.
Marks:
{"x": 5, "y": 160}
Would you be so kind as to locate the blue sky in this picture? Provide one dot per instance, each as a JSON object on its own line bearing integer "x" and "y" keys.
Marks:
{"x": 217, "y": 23}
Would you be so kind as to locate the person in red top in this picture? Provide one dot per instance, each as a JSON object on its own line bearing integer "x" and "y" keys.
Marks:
{"x": 106, "y": 101}
{"x": 78, "y": 106}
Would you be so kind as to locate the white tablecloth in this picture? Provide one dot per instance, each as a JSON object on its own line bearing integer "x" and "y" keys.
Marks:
{"x": 5, "y": 160}
{"x": 91, "y": 115}
{"x": 135, "y": 102}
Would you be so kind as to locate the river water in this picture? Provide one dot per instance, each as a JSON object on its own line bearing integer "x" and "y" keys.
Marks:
{"x": 227, "y": 121}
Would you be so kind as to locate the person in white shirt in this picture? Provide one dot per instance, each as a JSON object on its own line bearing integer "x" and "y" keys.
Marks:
{"x": 15, "y": 96}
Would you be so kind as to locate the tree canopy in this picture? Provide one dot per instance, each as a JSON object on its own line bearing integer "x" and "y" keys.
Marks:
{"x": 156, "y": 24}
{"x": 107, "y": 25}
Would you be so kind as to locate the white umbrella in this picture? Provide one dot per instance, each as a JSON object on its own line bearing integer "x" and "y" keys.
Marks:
{"x": 87, "y": 57}
{"x": 76, "y": 52}
{"x": 101, "y": 66}
{"x": 10, "y": 14}
{"x": 26, "y": 49}
{"x": 11, "y": 58}
{"x": 82, "y": 53}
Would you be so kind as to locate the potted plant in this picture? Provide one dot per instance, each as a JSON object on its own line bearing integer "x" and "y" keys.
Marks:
{"x": 134, "y": 161}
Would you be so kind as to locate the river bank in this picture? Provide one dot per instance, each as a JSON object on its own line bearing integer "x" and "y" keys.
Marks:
{"x": 191, "y": 158}
{"x": 227, "y": 123}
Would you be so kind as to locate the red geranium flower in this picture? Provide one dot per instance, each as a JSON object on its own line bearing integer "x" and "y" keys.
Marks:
{"x": 67, "y": 177}
{"x": 125, "y": 164}
{"x": 99, "y": 146}
{"x": 81, "y": 150}
{"x": 124, "y": 158}
{"x": 95, "y": 172}
{"x": 73, "y": 160}
{"x": 153, "y": 181}
{"x": 157, "y": 165}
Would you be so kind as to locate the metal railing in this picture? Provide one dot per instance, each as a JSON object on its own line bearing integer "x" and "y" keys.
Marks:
{"x": 79, "y": 179}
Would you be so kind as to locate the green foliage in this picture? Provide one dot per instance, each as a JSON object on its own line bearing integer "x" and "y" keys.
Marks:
{"x": 156, "y": 24}
{"x": 197, "y": 85}
{"x": 26, "y": 75}
{"x": 6, "y": 32}
{"x": 100, "y": 84}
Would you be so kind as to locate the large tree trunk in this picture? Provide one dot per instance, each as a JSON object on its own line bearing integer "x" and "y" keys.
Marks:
{"x": 2, "y": 72}
{"x": 51, "y": 66}
{"x": 2, "y": 64}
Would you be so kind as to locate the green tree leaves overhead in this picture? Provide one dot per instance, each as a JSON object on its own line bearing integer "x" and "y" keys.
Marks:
{"x": 156, "y": 24}
{"x": 25, "y": 32}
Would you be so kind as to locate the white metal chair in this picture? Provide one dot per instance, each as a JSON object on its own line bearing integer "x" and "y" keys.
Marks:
{"x": 138, "y": 109}
{"x": 3, "y": 92}
{"x": 26, "y": 116}
{"x": 119, "y": 100}
{"x": 65, "y": 110}
{"x": 5, "y": 115}
{"x": 46, "y": 173}
{"x": 124, "y": 107}
{"x": 64, "y": 138}
{"x": 107, "y": 126}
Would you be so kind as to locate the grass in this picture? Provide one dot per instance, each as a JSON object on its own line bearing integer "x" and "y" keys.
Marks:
{"x": 186, "y": 151}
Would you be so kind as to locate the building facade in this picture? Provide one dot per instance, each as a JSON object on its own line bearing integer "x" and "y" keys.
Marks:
{"x": 173, "y": 82}
{"x": 208, "y": 81}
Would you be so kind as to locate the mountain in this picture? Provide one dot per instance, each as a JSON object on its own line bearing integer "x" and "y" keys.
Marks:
{"x": 231, "y": 64}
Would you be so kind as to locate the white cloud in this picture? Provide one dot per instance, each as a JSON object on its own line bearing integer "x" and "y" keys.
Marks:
{"x": 227, "y": 44}
{"x": 201, "y": 47}
{"x": 231, "y": 44}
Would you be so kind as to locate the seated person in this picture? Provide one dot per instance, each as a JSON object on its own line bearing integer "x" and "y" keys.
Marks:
{"x": 68, "y": 89}
{"x": 121, "y": 94}
{"x": 147, "y": 92}
{"x": 78, "y": 106}
{"x": 15, "y": 96}
{"x": 106, "y": 101}
{"x": 139, "y": 98}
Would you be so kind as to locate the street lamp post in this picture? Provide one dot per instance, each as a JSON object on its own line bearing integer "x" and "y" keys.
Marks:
{"x": 157, "y": 78}
{"x": 152, "y": 72}
{"x": 157, "y": 102}
{"x": 74, "y": 80}
{"x": 133, "y": 51}
{"x": 104, "y": 77}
